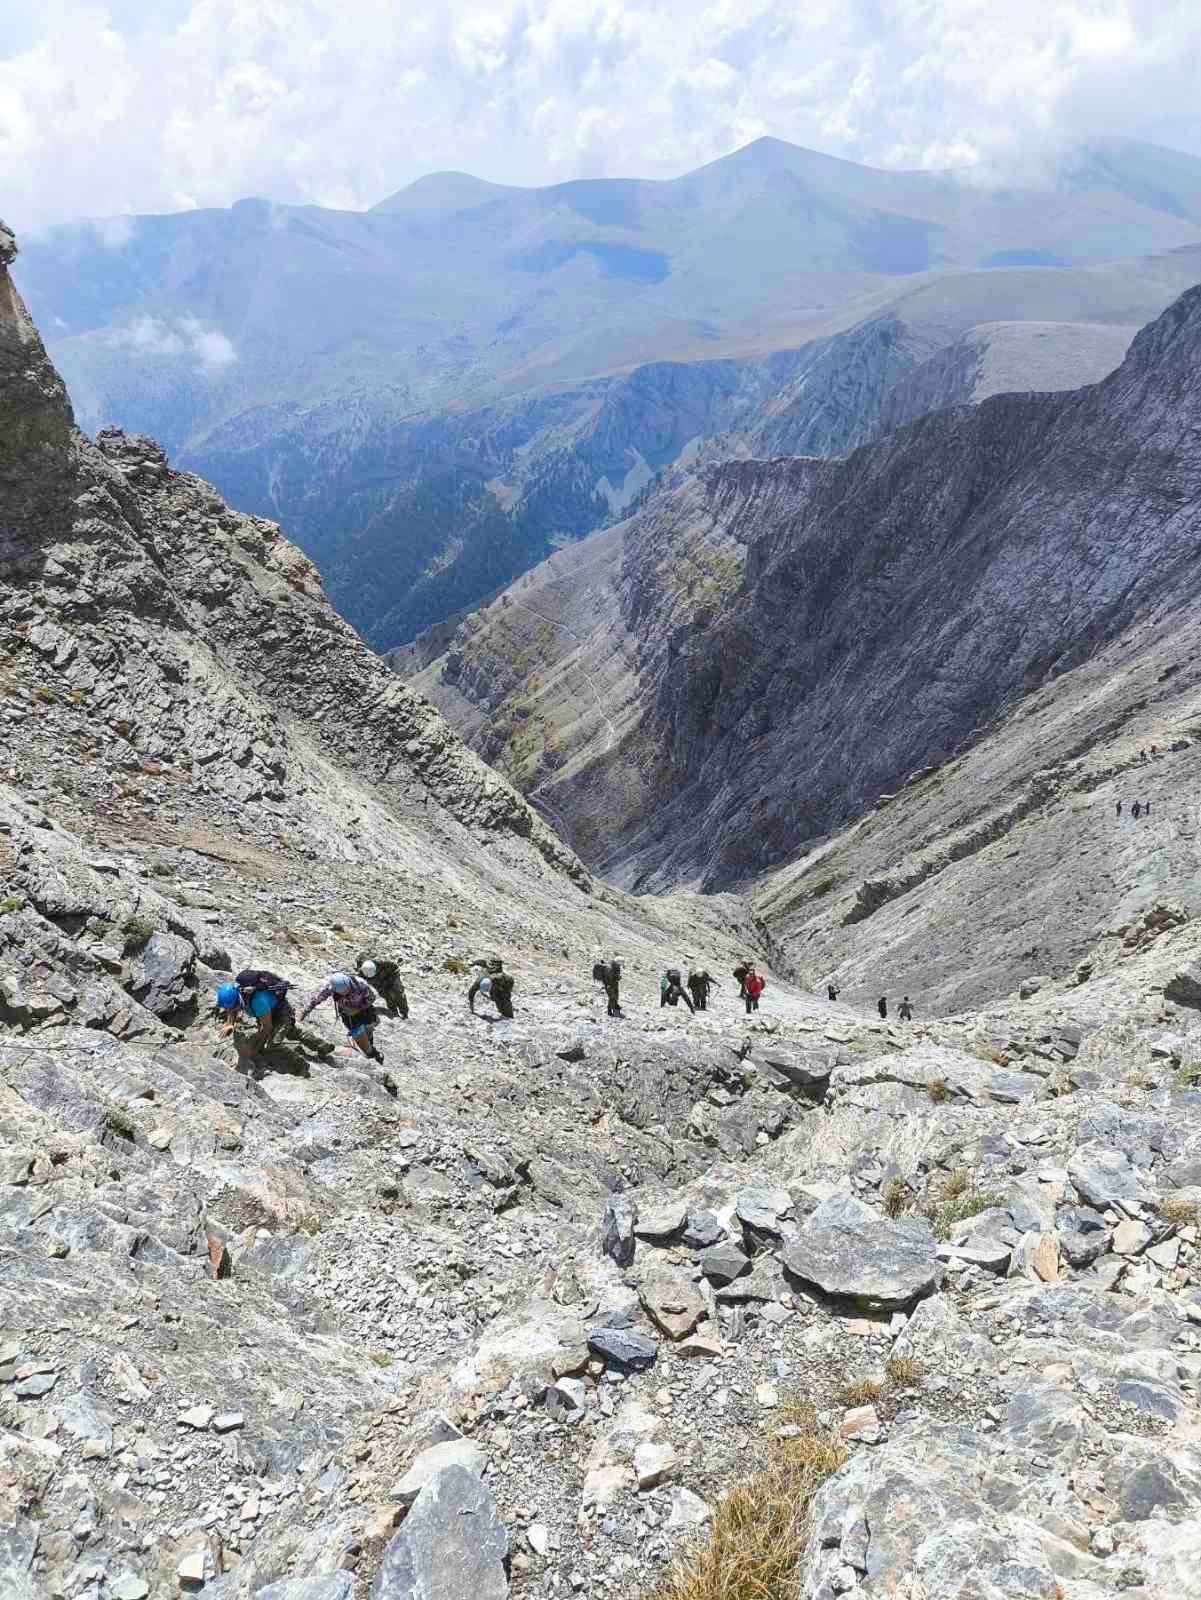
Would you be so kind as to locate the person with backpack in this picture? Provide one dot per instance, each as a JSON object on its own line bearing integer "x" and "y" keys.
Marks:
{"x": 384, "y": 977}
{"x": 906, "y": 1011}
{"x": 354, "y": 1001}
{"x": 752, "y": 987}
{"x": 263, "y": 997}
{"x": 494, "y": 983}
{"x": 608, "y": 973}
{"x": 832, "y": 991}
{"x": 699, "y": 984}
{"x": 672, "y": 990}
{"x": 882, "y": 1005}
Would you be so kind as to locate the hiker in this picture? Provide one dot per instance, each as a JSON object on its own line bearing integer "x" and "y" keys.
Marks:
{"x": 608, "y": 973}
{"x": 699, "y": 984}
{"x": 832, "y": 991}
{"x": 354, "y": 1001}
{"x": 752, "y": 988}
{"x": 882, "y": 1005}
{"x": 906, "y": 1011}
{"x": 1146, "y": 808}
{"x": 384, "y": 977}
{"x": 263, "y": 996}
{"x": 1134, "y": 810}
{"x": 672, "y": 990}
{"x": 494, "y": 983}
{"x": 1119, "y": 808}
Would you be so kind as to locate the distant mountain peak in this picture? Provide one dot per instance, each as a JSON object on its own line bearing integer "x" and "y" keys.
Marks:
{"x": 444, "y": 191}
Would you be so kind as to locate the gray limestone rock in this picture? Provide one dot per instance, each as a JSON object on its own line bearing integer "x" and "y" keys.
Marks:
{"x": 451, "y": 1546}
{"x": 722, "y": 1263}
{"x": 702, "y": 1229}
{"x": 163, "y": 975}
{"x": 461, "y": 1453}
{"x": 846, "y": 1250}
{"x": 624, "y": 1346}
{"x": 617, "y": 1229}
{"x": 333, "y": 1586}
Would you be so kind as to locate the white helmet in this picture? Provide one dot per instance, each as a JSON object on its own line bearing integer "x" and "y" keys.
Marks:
{"x": 368, "y": 969}
{"x": 485, "y": 985}
{"x": 339, "y": 982}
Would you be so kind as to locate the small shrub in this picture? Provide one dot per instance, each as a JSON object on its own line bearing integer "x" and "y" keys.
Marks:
{"x": 904, "y": 1372}
{"x": 895, "y": 1197}
{"x": 957, "y": 1200}
{"x": 381, "y": 1358}
{"x": 455, "y": 964}
{"x": 13, "y": 903}
{"x": 1189, "y": 1075}
{"x": 863, "y": 1392}
{"x": 46, "y": 696}
{"x": 137, "y": 931}
{"x": 938, "y": 1090}
{"x": 956, "y": 1183}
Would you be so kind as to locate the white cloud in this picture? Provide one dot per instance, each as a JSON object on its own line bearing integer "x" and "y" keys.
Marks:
{"x": 122, "y": 106}
{"x": 186, "y": 338}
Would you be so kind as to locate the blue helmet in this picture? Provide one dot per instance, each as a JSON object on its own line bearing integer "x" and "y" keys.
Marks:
{"x": 228, "y": 996}
{"x": 339, "y": 982}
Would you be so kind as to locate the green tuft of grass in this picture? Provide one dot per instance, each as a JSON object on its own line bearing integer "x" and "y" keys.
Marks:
{"x": 904, "y": 1372}
{"x": 938, "y": 1090}
{"x": 1189, "y": 1075}
{"x": 455, "y": 964}
{"x": 120, "y": 1122}
{"x": 13, "y": 903}
{"x": 137, "y": 930}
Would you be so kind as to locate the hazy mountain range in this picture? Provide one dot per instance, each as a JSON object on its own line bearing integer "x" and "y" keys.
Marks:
{"x": 434, "y": 393}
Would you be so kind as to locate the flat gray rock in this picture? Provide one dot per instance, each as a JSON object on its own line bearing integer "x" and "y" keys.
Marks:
{"x": 624, "y": 1346}
{"x": 661, "y": 1222}
{"x": 845, "y": 1249}
{"x": 461, "y": 1453}
{"x": 763, "y": 1208}
{"x": 333, "y": 1586}
{"x": 722, "y": 1263}
{"x": 617, "y": 1229}
{"x": 451, "y": 1546}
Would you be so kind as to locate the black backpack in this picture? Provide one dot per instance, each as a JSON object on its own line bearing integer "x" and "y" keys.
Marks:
{"x": 600, "y": 972}
{"x": 673, "y": 977}
{"x": 251, "y": 978}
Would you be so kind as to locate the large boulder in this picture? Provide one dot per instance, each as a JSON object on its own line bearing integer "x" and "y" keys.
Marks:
{"x": 163, "y": 976}
{"x": 846, "y": 1250}
{"x": 451, "y": 1546}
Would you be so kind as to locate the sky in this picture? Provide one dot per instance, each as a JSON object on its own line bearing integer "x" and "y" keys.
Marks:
{"x": 113, "y": 107}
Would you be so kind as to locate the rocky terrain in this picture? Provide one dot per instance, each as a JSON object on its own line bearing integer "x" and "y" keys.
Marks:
{"x": 518, "y": 1310}
{"x": 994, "y": 603}
{"x": 437, "y": 393}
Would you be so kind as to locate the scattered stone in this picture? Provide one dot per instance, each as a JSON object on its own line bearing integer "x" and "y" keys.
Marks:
{"x": 451, "y": 1546}
{"x": 459, "y": 1453}
{"x": 661, "y": 1222}
{"x": 654, "y": 1460}
{"x": 702, "y": 1229}
{"x": 35, "y": 1386}
{"x": 624, "y": 1346}
{"x": 722, "y": 1263}
{"x": 674, "y": 1304}
{"x": 861, "y": 1422}
{"x": 688, "y": 1510}
{"x": 617, "y": 1229}
{"x": 227, "y": 1421}
{"x": 538, "y": 1538}
{"x": 197, "y": 1417}
{"x": 1130, "y": 1238}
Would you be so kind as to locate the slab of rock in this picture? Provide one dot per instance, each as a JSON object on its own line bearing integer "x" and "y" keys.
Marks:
{"x": 862, "y": 1422}
{"x": 617, "y": 1229}
{"x": 1104, "y": 1177}
{"x": 460, "y": 1453}
{"x": 163, "y": 975}
{"x": 688, "y": 1510}
{"x": 702, "y": 1347}
{"x": 1130, "y": 1238}
{"x": 722, "y": 1263}
{"x": 673, "y": 1302}
{"x": 762, "y": 1208}
{"x": 332, "y": 1586}
{"x": 1184, "y": 987}
{"x": 702, "y": 1229}
{"x": 451, "y": 1546}
{"x": 654, "y": 1460}
{"x": 624, "y": 1346}
{"x": 567, "y": 1398}
{"x": 661, "y": 1223}
{"x": 846, "y": 1250}
{"x": 806, "y": 1069}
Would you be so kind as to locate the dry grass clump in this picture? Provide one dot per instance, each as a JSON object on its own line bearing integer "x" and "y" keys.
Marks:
{"x": 455, "y": 964}
{"x": 895, "y": 1197}
{"x": 1177, "y": 1208}
{"x": 863, "y": 1392}
{"x": 1189, "y": 1075}
{"x": 938, "y": 1090}
{"x": 956, "y": 1199}
{"x": 754, "y": 1542}
{"x": 904, "y": 1372}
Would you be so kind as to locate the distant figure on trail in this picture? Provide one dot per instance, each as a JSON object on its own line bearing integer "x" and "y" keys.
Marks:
{"x": 608, "y": 973}
{"x": 882, "y": 1005}
{"x": 1134, "y": 810}
{"x": 384, "y": 977}
{"x": 494, "y": 983}
{"x": 752, "y": 988}
{"x": 1146, "y": 808}
{"x": 832, "y": 991}
{"x": 354, "y": 1001}
{"x": 672, "y": 990}
{"x": 263, "y": 997}
{"x": 906, "y": 1011}
{"x": 1119, "y": 808}
{"x": 699, "y": 983}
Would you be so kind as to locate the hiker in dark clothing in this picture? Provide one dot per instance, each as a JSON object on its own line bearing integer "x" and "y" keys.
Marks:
{"x": 906, "y": 1011}
{"x": 1146, "y": 808}
{"x": 494, "y": 984}
{"x": 672, "y": 990}
{"x": 882, "y": 1005}
{"x": 1134, "y": 810}
{"x": 1119, "y": 808}
{"x": 354, "y": 1001}
{"x": 384, "y": 977}
{"x": 832, "y": 991}
{"x": 608, "y": 973}
{"x": 262, "y": 997}
{"x": 699, "y": 984}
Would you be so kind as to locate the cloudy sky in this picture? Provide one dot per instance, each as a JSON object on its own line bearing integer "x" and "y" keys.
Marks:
{"x": 116, "y": 106}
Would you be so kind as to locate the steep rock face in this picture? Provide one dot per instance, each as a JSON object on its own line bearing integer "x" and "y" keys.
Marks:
{"x": 749, "y": 663}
